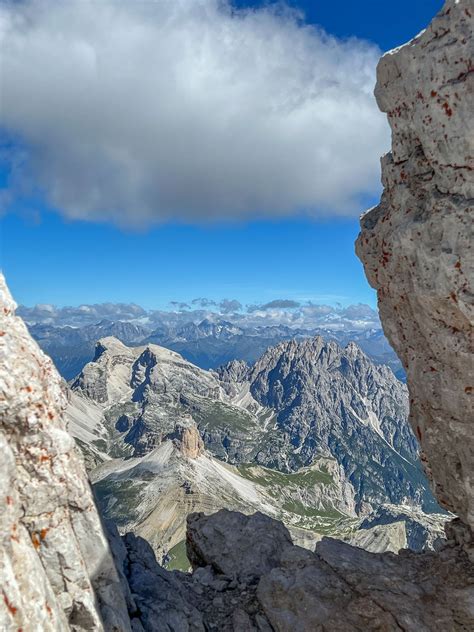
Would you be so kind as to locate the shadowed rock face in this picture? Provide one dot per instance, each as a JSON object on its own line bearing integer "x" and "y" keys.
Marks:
{"x": 337, "y": 588}
{"x": 416, "y": 245}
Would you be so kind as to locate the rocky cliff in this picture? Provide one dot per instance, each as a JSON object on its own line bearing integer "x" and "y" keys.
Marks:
{"x": 56, "y": 568}
{"x": 336, "y": 400}
{"x": 416, "y": 245}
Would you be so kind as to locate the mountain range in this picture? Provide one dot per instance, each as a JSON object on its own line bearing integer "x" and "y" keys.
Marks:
{"x": 208, "y": 343}
{"x": 312, "y": 433}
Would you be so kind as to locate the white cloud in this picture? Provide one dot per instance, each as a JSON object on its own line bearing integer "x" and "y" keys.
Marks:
{"x": 145, "y": 111}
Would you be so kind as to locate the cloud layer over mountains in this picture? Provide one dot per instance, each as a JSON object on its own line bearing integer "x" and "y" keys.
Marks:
{"x": 279, "y": 312}
{"x": 190, "y": 110}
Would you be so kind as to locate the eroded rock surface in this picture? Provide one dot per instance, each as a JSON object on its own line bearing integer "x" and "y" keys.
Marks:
{"x": 56, "y": 567}
{"x": 337, "y": 588}
{"x": 188, "y": 440}
{"x": 416, "y": 245}
{"x": 342, "y": 588}
{"x": 234, "y": 544}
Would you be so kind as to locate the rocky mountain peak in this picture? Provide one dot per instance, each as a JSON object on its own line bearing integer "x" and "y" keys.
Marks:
{"x": 103, "y": 378}
{"x": 111, "y": 346}
{"x": 187, "y": 439}
{"x": 233, "y": 371}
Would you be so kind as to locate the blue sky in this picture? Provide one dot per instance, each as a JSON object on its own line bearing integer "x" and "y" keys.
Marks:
{"x": 49, "y": 256}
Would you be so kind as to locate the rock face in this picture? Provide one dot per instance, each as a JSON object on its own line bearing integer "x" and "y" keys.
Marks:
{"x": 188, "y": 440}
{"x": 335, "y": 400}
{"x": 234, "y": 544}
{"x": 56, "y": 567}
{"x": 342, "y": 588}
{"x": 337, "y": 588}
{"x": 416, "y": 245}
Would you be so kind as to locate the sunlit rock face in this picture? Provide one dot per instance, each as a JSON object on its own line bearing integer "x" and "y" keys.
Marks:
{"x": 416, "y": 245}
{"x": 56, "y": 569}
{"x": 188, "y": 440}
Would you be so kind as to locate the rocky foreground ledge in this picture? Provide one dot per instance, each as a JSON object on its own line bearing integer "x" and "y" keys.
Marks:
{"x": 249, "y": 577}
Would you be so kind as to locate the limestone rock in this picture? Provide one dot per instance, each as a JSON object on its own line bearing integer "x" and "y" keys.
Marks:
{"x": 380, "y": 538}
{"x": 188, "y": 440}
{"x": 162, "y": 600}
{"x": 55, "y": 563}
{"x": 342, "y": 588}
{"x": 234, "y": 544}
{"x": 337, "y": 401}
{"x": 337, "y": 588}
{"x": 424, "y": 532}
{"x": 416, "y": 245}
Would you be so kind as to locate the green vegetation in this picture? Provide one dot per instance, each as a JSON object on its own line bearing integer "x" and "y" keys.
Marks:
{"x": 100, "y": 444}
{"x": 293, "y": 490}
{"x": 268, "y": 478}
{"x": 219, "y": 415}
{"x": 119, "y": 499}
{"x": 179, "y": 559}
{"x": 91, "y": 458}
{"x": 115, "y": 411}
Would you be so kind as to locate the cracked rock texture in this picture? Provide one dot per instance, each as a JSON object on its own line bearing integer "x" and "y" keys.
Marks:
{"x": 337, "y": 588}
{"x": 56, "y": 567}
{"x": 416, "y": 245}
{"x": 187, "y": 439}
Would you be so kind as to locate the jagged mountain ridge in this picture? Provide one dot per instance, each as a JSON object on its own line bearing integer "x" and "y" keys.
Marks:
{"x": 208, "y": 343}
{"x": 284, "y": 412}
{"x": 337, "y": 400}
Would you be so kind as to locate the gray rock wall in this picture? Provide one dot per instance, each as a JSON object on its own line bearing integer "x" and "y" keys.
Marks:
{"x": 56, "y": 568}
{"x": 416, "y": 245}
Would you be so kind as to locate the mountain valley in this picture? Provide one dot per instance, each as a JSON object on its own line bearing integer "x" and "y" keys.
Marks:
{"x": 312, "y": 434}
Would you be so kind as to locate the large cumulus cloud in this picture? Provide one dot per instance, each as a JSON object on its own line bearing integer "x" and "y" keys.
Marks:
{"x": 140, "y": 112}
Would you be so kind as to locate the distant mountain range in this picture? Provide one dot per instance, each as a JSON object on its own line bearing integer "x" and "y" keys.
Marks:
{"x": 311, "y": 433}
{"x": 281, "y": 312}
{"x": 208, "y": 343}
